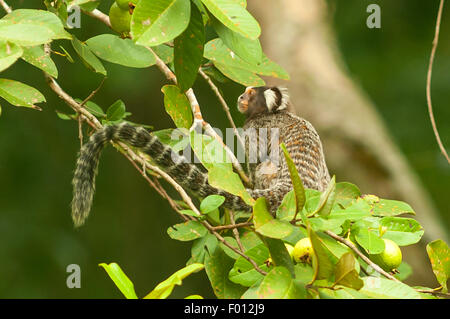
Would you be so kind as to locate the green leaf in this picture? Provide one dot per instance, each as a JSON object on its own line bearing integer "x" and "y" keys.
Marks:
{"x": 164, "y": 52}
{"x": 211, "y": 203}
{"x": 323, "y": 260}
{"x": 19, "y": 94}
{"x": 164, "y": 289}
{"x": 87, "y": 56}
{"x": 299, "y": 190}
{"x": 327, "y": 199}
{"x": 120, "y": 279}
{"x": 116, "y": 111}
{"x": 113, "y": 49}
{"x": 279, "y": 254}
{"x": 369, "y": 240}
{"x": 228, "y": 181}
{"x": 346, "y": 274}
{"x": 93, "y": 108}
{"x": 346, "y": 193}
{"x": 187, "y": 231}
{"x": 381, "y": 288}
{"x": 202, "y": 246}
{"x": 177, "y": 106}
{"x": 210, "y": 152}
{"x": 188, "y": 52}
{"x": 37, "y": 57}
{"x": 319, "y": 224}
{"x": 217, "y": 266}
{"x": 239, "y": 70}
{"x": 386, "y": 207}
{"x": 159, "y": 21}
{"x": 28, "y": 27}
{"x": 234, "y": 16}
{"x": 403, "y": 271}
{"x": 9, "y": 53}
{"x": 286, "y": 210}
{"x": 177, "y": 139}
{"x": 278, "y": 284}
{"x": 439, "y": 255}
{"x": 266, "y": 225}
{"x": 230, "y": 64}
{"x": 403, "y": 231}
{"x": 247, "y": 49}
{"x": 356, "y": 211}
{"x": 243, "y": 272}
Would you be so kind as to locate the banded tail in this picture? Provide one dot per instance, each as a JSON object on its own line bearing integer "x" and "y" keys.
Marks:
{"x": 188, "y": 175}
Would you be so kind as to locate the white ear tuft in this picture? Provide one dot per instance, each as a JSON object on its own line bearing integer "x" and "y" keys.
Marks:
{"x": 284, "y": 98}
{"x": 271, "y": 99}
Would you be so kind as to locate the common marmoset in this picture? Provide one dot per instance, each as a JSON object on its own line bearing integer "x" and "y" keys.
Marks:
{"x": 265, "y": 109}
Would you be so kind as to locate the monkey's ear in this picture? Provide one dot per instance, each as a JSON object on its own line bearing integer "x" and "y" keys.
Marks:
{"x": 277, "y": 98}
{"x": 271, "y": 99}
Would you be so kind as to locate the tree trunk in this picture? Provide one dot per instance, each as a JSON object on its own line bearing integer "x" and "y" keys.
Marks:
{"x": 358, "y": 147}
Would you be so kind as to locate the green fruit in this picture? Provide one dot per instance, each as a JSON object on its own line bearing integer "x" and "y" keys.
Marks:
{"x": 303, "y": 250}
{"x": 120, "y": 19}
{"x": 390, "y": 258}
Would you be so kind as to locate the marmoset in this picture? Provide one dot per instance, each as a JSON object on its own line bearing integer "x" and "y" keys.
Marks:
{"x": 266, "y": 109}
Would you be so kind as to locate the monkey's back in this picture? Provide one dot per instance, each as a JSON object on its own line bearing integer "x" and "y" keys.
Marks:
{"x": 304, "y": 146}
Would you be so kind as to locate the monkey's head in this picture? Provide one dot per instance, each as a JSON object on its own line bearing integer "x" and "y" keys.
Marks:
{"x": 262, "y": 99}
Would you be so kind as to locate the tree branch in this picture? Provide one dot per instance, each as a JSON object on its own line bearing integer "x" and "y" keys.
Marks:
{"x": 430, "y": 68}
{"x": 361, "y": 255}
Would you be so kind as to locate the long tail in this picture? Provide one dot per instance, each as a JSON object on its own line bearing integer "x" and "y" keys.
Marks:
{"x": 186, "y": 174}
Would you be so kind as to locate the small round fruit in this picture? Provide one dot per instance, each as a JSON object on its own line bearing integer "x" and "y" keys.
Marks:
{"x": 303, "y": 250}
{"x": 290, "y": 250}
{"x": 390, "y": 258}
{"x": 120, "y": 19}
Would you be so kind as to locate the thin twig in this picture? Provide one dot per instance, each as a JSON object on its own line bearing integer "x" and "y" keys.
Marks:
{"x": 235, "y": 230}
{"x": 361, "y": 255}
{"x": 430, "y": 68}
{"x": 232, "y": 226}
{"x": 433, "y": 292}
{"x": 224, "y": 104}
{"x": 91, "y": 95}
{"x": 5, "y": 6}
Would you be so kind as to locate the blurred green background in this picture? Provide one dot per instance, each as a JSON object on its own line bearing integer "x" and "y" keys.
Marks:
{"x": 129, "y": 220}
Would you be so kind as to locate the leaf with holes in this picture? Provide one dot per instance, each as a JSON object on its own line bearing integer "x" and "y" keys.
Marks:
{"x": 403, "y": 231}
{"x": 439, "y": 255}
{"x": 159, "y": 21}
{"x": 177, "y": 106}
{"x": 234, "y": 16}
{"x": 187, "y": 231}
{"x": 19, "y": 94}
{"x": 28, "y": 27}
{"x": 37, "y": 57}
{"x": 9, "y": 53}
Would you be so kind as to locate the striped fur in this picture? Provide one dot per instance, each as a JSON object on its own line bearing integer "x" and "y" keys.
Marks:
{"x": 187, "y": 175}
{"x": 299, "y": 136}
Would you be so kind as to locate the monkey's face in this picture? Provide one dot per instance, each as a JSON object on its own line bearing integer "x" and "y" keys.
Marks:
{"x": 263, "y": 99}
